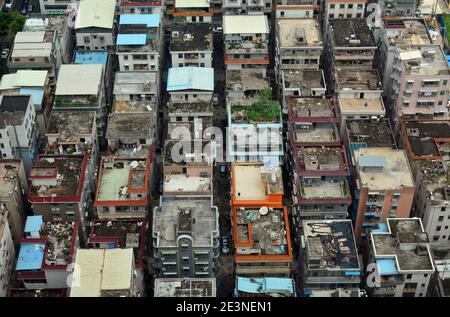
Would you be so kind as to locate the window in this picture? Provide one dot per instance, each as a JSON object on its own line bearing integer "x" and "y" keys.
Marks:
{"x": 408, "y": 276}
{"x": 180, "y": 55}
{"x": 142, "y": 141}
{"x": 342, "y": 6}
{"x": 443, "y": 209}
{"x": 350, "y": 6}
{"x": 438, "y": 228}
{"x": 441, "y": 218}
{"x": 331, "y": 7}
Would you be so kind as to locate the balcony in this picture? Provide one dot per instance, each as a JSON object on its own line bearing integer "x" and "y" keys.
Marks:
{"x": 256, "y": 46}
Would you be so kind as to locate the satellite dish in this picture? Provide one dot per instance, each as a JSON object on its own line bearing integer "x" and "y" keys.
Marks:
{"x": 263, "y": 211}
{"x": 134, "y": 164}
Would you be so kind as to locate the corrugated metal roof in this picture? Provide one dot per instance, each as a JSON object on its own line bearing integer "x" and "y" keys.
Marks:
{"x": 24, "y": 78}
{"x": 29, "y": 37}
{"x": 372, "y": 161}
{"x": 191, "y": 4}
{"x": 33, "y": 224}
{"x": 30, "y": 257}
{"x": 183, "y": 78}
{"x": 245, "y": 24}
{"x": 117, "y": 269}
{"x": 131, "y": 39}
{"x": 151, "y": 20}
{"x": 387, "y": 267}
{"x": 79, "y": 79}
{"x": 95, "y": 13}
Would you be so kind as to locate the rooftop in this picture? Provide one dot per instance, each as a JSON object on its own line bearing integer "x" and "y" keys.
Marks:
{"x": 191, "y": 37}
{"x": 256, "y": 182}
{"x": 57, "y": 176}
{"x": 32, "y": 44}
{"x": 372, "y": 133}
{"x": 191, "y": 108}
{"x": 179, "y": 215}
{"x": 183, "y": 183}
{"x": 338, "y": 292}
{"x": 269, "y": 286}
{"x": 12, "y": 110}
{"x": 192, "y": 4}
{"x": 263, "y": 231}
{"x": 321, "y": 159}
{"x": 299, "y": 32}
{"x": 118, "y": 177}
{"x": 99, "y": 13}
{"x": 406, "y": 32}
{"x": 383, "y": 168}
{"x": 126, "y": 233}
{"x": 130, "y": 127}
{"x": 71, "y": 125}
{"x": 91, "y": 57}
{"x": 69, "y": 83}
{"x": 132, "y": 106}
{"x": 185, "y": 287}
{"x": 323, "y": 190}
{"x": 245, "y": 79}
{"x": 150, "y": 20}
{"x": 10, "y": 170}
{"x": 103, "y": 273}
{"x": 245, "y": 24}
{"x": 425, "y": 60}
{"x": 264, "y": 111}
{"x": 311, "y": 107}
{"x": 348, "y": 80}
{"x": 406, "y": 243}
{"x": 305, "y": 80}
{"x": 45, "y": 23}
{"x": 351, "y": 33}
{"x": 421, "y": 136}
{"x": 435, "y": 174}
{"x": 190, "y": 78}
{"x": 24, "y": 78}
{"x": 133, "y": 83}
{"x": 330, "y": 245}
{"x": 183, "y": 152}
{"x": 22, "y": 292}
{"x": 361, "y": 106}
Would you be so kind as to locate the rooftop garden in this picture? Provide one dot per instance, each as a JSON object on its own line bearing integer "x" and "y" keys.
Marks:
{"x": 264, "y": 110}
{"x": 446, "y": 19}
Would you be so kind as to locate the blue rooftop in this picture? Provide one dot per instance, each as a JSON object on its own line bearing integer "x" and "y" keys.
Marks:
{"x": 382, "y": 228}
{"x": 448, "y": 59}
{"x": 31, "y": 256}
{"x": 92, "y": 57}
{"x": 151, "y": 20}
{"x": 387, "y": 267}
{"x": 182, "y": 78}
{"x": 265, "y": 285}
{"x": 33, "y": 224}
{"x": 131, "y": 39}
{"x": 37, "y": 94}
{"x": 372, "y": 161}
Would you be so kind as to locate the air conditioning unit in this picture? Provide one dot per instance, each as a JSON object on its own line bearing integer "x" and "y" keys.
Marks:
{"x": 175, "y": 34}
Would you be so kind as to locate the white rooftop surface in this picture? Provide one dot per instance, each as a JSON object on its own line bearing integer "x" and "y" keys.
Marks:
{"x": 79, "y": 79}
{"x": 191, "y": 4}
{"x": 181, "y": 183}
{"x": 32, "y": 49}
{"x": 95, "y": 13}
{"x": 288, "y": 29}
{"x": 248, "y": 183}
{"x": 24, "y": 78}
{"x": 245, "y": 24}
{"x": 324, "y": 189}
{"x": 101, "y": 269}
{"x": 29, "y": 37}
{"x": 396, "y": 174}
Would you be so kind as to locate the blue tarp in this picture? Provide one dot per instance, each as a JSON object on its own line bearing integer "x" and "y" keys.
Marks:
{"x": 33, "y": 224}
{"x": 151, "y": 20}
{"x": 131, "y": 39}
{"x": 387, "y": 267}
{"x": 372, "y": 161}
{"x": 30, "y": 256}
{"x": 382, "y": 228}
{"x": 91, "y": 57}
{"x": 265, "y": 285}
{"x": 37, "y": 94}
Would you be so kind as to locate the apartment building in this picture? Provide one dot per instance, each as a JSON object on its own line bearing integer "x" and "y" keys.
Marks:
{"x": 190, "y": 84}
{"x": 31, "y": 82}
{"x": 136, "y": 89}
{"x": 140, "y": 7}
{"x": 123, "y": 187}
{"x": 420, "y": 84}
{"x": 401, "y": 252}
{"x": 244, "y": 85}
{"x": 122, "y": 234}
{"x": 104, "y": 273}
{"x": 185, "y": 236}
{"x": 343, "y": 9}
{"x": 56, "y": 6}
{"x": 246, "y": 7}
{"x": 7, "y": 251}
{"x": 138, "y": 42}
{"x": 191, "y": 11}
{"x": 329, "y": 256}
{"x": 427, "y": 144}
{"x": 408, "y": 8}
{"x": 350, "y": 45}
{"x": 246, "y": 42}
{"x": 187, "y": 168}
{"x": 46, "y": 251}
{"x": 13, "y": 186}
{"x": 191, "y": 44}
{"x": 385, "y": 187}
{"x": 185, "y": 287}
{"x": 82, "y": 95}
{"x": 18, "y": 132}
{"x": 94, "y": 25}
{"x": 184, "y": 112}
{"x": 296, "y": 8}
{"x": 255, "y": 132}
{"x": 60, "y": 189}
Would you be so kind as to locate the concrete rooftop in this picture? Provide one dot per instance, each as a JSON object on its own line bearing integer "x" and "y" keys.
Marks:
{"x": 299, "y": 33}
